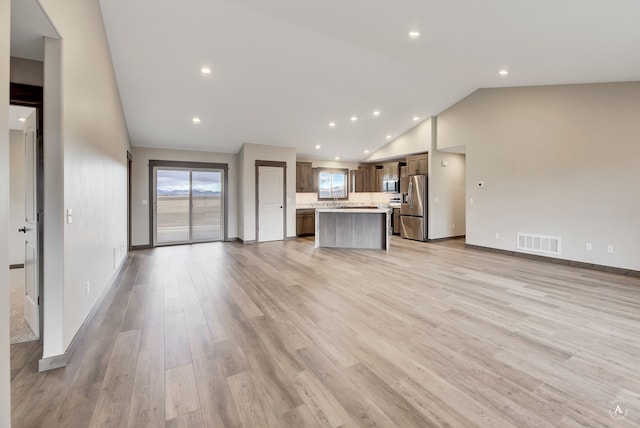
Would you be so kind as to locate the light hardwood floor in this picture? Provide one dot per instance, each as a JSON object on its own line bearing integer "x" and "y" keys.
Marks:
{"x": 281, "y": 335}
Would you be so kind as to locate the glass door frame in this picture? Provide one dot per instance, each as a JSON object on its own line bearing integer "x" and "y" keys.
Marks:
{"x": 154, "y": 165}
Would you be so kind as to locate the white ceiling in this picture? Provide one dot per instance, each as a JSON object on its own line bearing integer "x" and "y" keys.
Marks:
{"x": 28, "y": 25}
{"x": 284, "y": 69}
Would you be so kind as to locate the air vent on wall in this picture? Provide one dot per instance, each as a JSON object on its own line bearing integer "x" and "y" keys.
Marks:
{"x": 539, "y": 243}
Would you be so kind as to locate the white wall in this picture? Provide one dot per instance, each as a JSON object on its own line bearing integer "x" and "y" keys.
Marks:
{"x": 446, "y": 195}
{"x": 5, "y": 378}
{"x": 16, "y": 197}
{"x": 416, "y": 140}
{"x": 248, "y": 155}
{"x": 26, "y": 71}
{"x": 555, "y": 160}
{"x": 315, "y": 163}
{"x": 95, "y": 142}
{"x": 140, "y": 186}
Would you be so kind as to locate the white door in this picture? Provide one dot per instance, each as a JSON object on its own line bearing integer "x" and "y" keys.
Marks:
{"x": 270, "y": 203}
{"x": 30, "y": 228}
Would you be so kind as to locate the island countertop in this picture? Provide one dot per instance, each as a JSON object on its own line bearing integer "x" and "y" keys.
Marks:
{"x": 353, "y": 210}
{"x": 343, "y": 227}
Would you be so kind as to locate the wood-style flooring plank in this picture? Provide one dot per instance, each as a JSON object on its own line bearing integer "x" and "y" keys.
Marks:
{"x": 181, "y": 393}
{"x": 114, "y": 399}
{"x": 282, "y": 334}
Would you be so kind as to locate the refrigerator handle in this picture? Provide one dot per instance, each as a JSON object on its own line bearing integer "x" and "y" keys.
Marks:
{"x": 411, "y": 194}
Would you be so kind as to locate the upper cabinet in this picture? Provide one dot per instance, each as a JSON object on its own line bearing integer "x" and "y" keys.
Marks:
{"x": 359, "y": 179}
{"x": 304, "y": 177}
{"x": 391, "y": 170}
{"x": 418, "y": 164}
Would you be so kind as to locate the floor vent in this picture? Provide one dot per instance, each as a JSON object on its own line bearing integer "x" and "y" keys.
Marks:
{"x": 539, "y": 243}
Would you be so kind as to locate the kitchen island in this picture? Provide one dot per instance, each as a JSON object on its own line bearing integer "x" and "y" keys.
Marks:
{"x": 353, "y": 228}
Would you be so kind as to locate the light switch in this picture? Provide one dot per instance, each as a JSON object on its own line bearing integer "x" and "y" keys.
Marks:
{"x": 69, "y": 216}
{"x": 145, "y": 202}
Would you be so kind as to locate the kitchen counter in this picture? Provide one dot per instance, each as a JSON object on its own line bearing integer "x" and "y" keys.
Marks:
{"x": 345, "y": 227}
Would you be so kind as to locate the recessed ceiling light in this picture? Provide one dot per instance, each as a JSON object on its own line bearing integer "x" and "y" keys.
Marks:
{"x": 196, "y": 120}
{"x": 503, "y": 72}
{"x": 414, "y": 34}
{"x": 337, "y": 157}
{"x": 205, "y": 70}
{"x": 22, "y": 119}
{"x": 376, "y": 113}
{"x": 416, "y": 118}
{"x": 332, "y": 124}
{"x": 318, "y": 146}
{"x": 354, "y": 118}
{"x": 388, "y": 137}
{"x": 366, "y": 152}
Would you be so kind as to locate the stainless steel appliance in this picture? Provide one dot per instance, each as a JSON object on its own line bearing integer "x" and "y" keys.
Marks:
{"x": 413, "y": 209}
{"x": 391, "y": 186}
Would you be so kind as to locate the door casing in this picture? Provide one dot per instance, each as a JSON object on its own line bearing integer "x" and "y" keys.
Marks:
{"x": 195, "y": 165}
{"x": 32, "y": 96}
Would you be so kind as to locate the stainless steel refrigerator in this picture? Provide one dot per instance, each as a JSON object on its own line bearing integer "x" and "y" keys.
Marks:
{"x": 413, "y": 209}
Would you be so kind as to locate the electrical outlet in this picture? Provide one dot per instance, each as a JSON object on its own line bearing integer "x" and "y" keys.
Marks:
{"x": 470, "y": 201}
{"x": 453, "y": 226}
{"x": 610, "y": 249}
{"x": 497, "y": 235}
{"x": 588, "y": 246}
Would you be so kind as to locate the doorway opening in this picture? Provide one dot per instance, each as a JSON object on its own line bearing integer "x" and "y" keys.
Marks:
{"x": 26, "y": 202}
{"x": 188, "y": 202}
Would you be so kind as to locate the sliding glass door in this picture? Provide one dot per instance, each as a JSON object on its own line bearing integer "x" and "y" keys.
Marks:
{"x": 188, "y": 205}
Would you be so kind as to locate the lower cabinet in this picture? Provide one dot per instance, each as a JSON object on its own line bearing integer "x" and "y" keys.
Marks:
{"x": 396, "y": 221}
{"x": 305, "y": 222}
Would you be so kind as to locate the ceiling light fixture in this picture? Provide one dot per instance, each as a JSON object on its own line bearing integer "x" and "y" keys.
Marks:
{"x": 366, "y": 151}
{"x": 376, "y": 113}
{"x": 318, "y": 146}
{"x": 22, "y": 119}
{"x": 196, "y": 120}
{"x": 337, "y": 157}
{"x": 414, "y": 34}
{"x": 388, "y": 137}
{"x": 354, "y": 118}
{"x": 503, "y": 72}
{"x": 205, "y": 70}
{"x": 332, "y": 124}
{"x": 416, "y": 118}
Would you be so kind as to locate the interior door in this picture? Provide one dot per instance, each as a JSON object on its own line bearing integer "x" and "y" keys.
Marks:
{"x": 30, "y": 228}
{"x": 270, "y": 203}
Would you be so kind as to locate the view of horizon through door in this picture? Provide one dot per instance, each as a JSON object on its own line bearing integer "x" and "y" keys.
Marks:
{"x": 188, "y": 205}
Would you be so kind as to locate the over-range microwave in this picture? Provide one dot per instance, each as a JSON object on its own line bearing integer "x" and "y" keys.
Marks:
{"x": 391, "y": 186}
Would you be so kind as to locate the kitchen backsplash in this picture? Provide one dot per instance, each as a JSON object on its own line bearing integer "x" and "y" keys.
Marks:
{"x": 364, "y": 199}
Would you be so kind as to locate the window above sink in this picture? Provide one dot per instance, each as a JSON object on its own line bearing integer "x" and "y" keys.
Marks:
{"x": 333, "y": 184}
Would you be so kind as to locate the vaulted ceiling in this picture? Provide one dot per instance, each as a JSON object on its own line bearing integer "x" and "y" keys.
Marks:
{"x": 283, "y": 70}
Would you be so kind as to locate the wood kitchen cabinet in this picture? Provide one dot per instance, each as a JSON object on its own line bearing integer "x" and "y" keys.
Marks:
{"x": 379, "y": 183}
{"x": 304, "y": 177}
{"x": 396, "y": 221}
{"x": 391, "y": 170}
{"x": 314, "y": 179}
{"x": 418, "y": 164}
{"x": 305, "y": 222}
{"x": 359, "y": 179}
